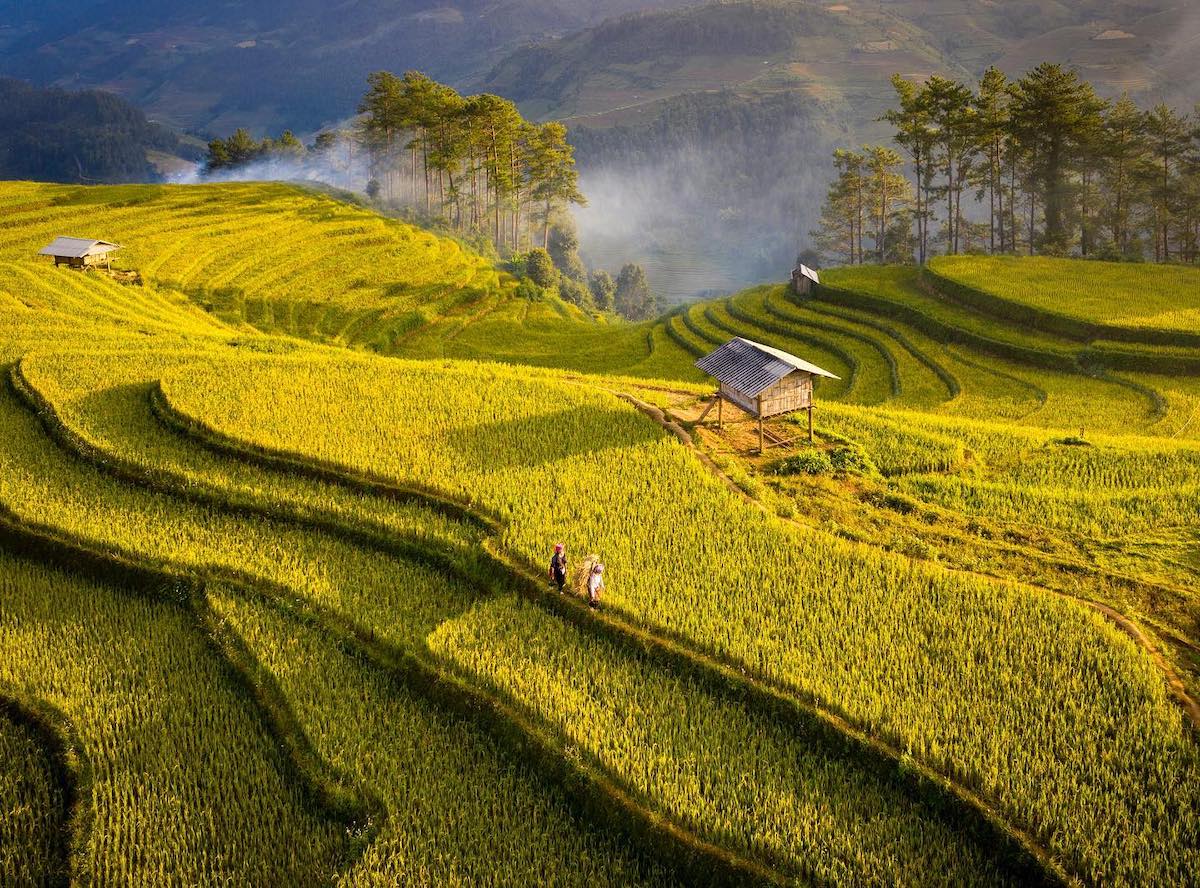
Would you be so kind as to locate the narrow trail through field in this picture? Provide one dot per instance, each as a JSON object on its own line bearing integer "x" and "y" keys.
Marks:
{"x": 509, "y": 573}
{"x": 681, "y": 656}
{"x": 1127, "y": 625}
{"x": 530, "y": 740}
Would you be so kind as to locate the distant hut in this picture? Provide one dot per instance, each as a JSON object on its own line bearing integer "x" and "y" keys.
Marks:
{"x": 803, "y": 280}
{"x": 762, "y": 381}
{"x": 79, "y": 252}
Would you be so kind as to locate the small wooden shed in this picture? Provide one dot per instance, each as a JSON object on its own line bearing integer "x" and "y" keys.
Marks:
{"x": 803, "y": 279}
{"x": 762, "y": 381}
{"x": 79, "y": 252}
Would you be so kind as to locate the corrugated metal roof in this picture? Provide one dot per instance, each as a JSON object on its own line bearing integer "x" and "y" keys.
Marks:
{"x": 809, "y": 273}
{"x": 752, "y": 368}
{"x": 77, "y": 248}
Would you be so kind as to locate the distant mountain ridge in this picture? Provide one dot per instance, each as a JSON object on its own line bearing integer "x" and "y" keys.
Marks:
{"x": 689, "y": 147}
{"x": 269, "y": 65}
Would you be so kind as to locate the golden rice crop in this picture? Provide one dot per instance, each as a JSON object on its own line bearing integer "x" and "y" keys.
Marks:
{"x": 173, "y": 750}
{"x": 926, "y": 659}
{"x": 1165, "y": 295}
{"x": 459, "y": 810}
{"x": 31, "y": 809}
{"x": 1042, "y": 708}
{"x": 689, "y": 764}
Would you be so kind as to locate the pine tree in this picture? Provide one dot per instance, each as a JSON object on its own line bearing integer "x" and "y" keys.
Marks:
{"x": 1057, "y": 114}
{"x": 604, "y": 290}
{"x": 384, "y": 120}
{"x": 837, "y": 232}
{"x": 554, "y": 181}
{"x": 218, "y": 156}
{"x": 1168, "y": 139}
{"x": 1190, "y": 194}
{"x": 888, "y": 193}
{"x": 953, "y": 117}
{"x": 1124, "y": 159}
{"x": 287, "y": 146}
{"x": 991, "y": 133}
{"x": 242, "y": 148}
{"x": 916, "y": 135}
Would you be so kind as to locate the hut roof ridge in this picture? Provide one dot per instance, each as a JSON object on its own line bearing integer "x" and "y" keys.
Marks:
{"x": 77, "y": 247}
{"x": 807, "y": 272}
{"x": 789, "y": 359}
{"x": 752, "y": 367}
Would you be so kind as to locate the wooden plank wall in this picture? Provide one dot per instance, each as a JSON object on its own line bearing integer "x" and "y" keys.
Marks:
{"x": 793, "y": 392}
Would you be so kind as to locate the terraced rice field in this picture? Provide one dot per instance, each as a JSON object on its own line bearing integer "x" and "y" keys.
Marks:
{"x": 349, "y": 668}
{"x": 1167, "y": 297}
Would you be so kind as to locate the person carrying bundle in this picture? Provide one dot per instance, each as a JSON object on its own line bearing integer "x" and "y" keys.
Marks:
{"x": 558, "y": 567}
{"x": 595, "y": 584}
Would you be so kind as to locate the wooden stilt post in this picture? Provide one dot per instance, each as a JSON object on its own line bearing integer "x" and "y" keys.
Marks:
{"x": 810, "y": 424}
{"x": 758, "y": 404}
{"x": 720, "y": 411}
{"x": 711, "y": 404}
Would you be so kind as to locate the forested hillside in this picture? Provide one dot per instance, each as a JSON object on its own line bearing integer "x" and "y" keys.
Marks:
{"x": 823, "y": 67}
{"x": 751, "y": 209}
{"x": 53, "y": 135}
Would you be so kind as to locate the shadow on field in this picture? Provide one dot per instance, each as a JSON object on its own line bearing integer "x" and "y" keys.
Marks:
{"x": 535, "y": 440}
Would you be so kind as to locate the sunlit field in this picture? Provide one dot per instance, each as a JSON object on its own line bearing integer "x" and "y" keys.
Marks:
{"x": 273, "y": 592}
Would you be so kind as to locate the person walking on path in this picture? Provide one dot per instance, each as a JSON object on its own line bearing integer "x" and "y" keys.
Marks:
{"x": 595, "y": 584}
{"x": 558, "y": 567}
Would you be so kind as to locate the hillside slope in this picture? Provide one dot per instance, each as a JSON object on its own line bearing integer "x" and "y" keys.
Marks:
{"x": 270, "y": 591}
{"x": 57, "y": 136}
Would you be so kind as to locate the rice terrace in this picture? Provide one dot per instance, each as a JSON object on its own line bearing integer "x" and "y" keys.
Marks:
{"x": 365, "y": 536}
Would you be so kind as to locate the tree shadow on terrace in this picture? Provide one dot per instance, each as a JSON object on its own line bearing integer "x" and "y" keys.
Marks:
{"x": 530, "y": 441}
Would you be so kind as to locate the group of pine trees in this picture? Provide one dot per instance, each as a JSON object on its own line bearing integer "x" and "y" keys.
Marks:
{"x": 1044, "y": 164}
{"x": 241, "y": 149}
{"x": 472, "y": 161}
{"x": 472, "y": 164}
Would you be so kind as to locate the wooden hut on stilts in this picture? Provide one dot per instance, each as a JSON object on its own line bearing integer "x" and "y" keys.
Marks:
{"x": 763, "y": 382}
{"x": 80, "y": 252}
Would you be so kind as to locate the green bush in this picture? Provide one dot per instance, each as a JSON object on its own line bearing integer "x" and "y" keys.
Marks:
{"x": 851, "y": 458}
{"x": 807, "y": 462}
{"x": 574, "y": 292}
{"x": 540, "y": 268}
{"x": 527, "y": 289}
